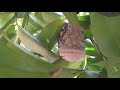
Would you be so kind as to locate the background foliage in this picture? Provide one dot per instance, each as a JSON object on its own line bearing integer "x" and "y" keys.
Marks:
{"x": 41, "y": 29}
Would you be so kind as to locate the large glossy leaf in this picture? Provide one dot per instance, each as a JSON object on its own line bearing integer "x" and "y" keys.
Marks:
{"x": 16, "y": 59}
{"x": 21, "y": 63}
{"x": 12, "y": 59}
{"x": 106, "y": 32}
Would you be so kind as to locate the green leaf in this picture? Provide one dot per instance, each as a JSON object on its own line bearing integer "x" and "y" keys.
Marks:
{"x": 92, "y": 74}
{"x": 98, "y": 68}
{"x": 97, "y": 60}
{"x": 84, "y": 21}
{"x": 89, "y": 74}
{"x": 95, "y": 67}
{"x": 68, "y": 73}
{"x": 84, "y": 18}
{"x": 89, "y": 46}
{"x": 50, "y": 17}
{"x": 91, "y": 51}
{"x": 83, "y": 75}
{"x": 5, "y": 18}
{"x": 74, "y": 65}
{"x": 87, "y": 34}
{"x": 9, "y": 72}
{"x": 50, "y": 33}
{"x": 22, "y": 63}
{"x": 25, "y": 20}
{"x": 31, "y": 28}
{"x": 34, "y": 45}
{"x": 34, "y": 21}
{"x": 21, "y": 14}
{"x": 10, "y": 31}
{"x": 40, "y": 19}
{"x": 46, "y": 17}
{"x": 113, "y": 67}
{"x": 106, "y": 32}
{"x": 20, "y": 58}
{"x": 72, "y": 18}
{"x": 110, "y": 14}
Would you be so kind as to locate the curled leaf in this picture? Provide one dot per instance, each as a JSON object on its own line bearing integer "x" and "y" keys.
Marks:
{"x": 34, "y": 45}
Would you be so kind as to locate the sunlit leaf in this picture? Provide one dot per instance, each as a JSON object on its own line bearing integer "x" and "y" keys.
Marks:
{"x": 34, "y": 45}
{"x": 33, "y": 20}
{"x": 4, "y": 19}
{"x": 50, "y": 33}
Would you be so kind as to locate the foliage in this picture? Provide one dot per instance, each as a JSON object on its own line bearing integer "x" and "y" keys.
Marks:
{"x": 29, "y": 45}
